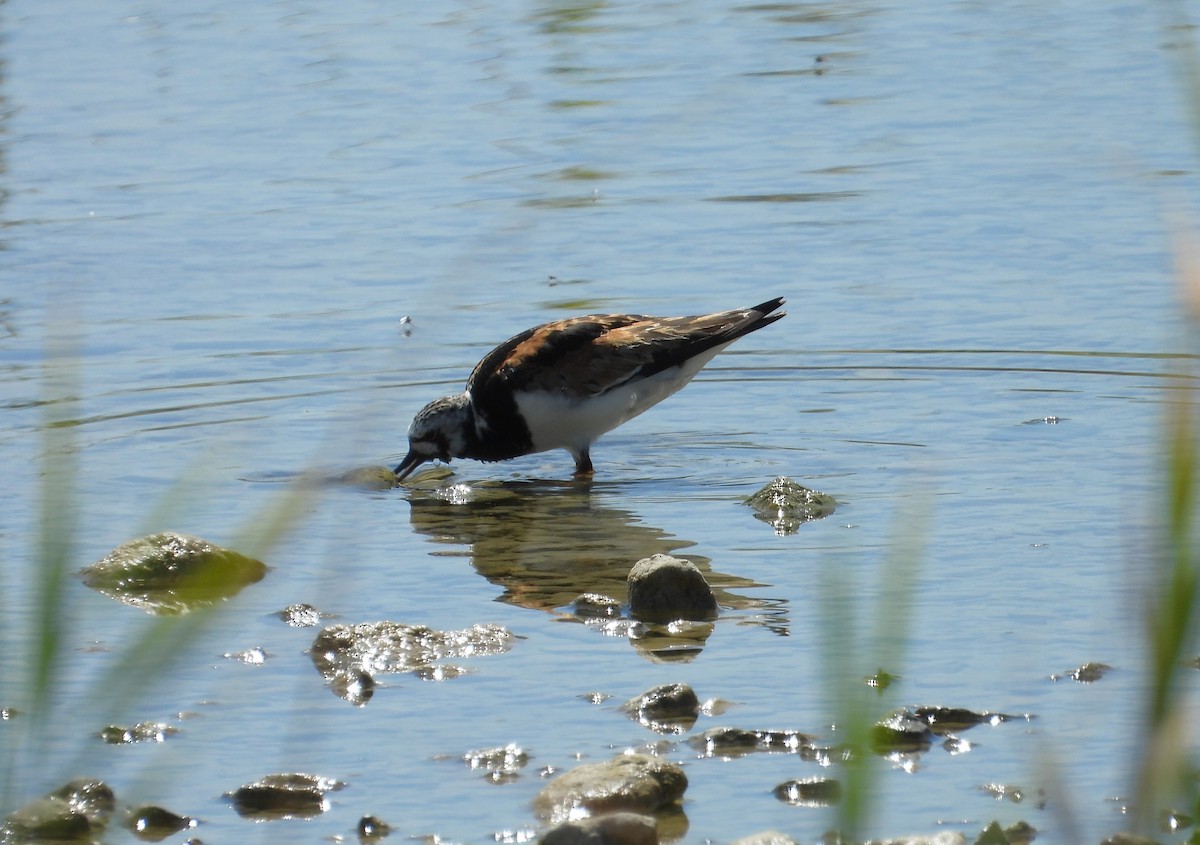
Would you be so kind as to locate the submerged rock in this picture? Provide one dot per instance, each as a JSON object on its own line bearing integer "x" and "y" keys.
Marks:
{"x": 141, "y": 732}
{"x": 370, "y": 829}
{"x": 169, "y": 573}
{"x": 670, "y": 708}
{"x": 786, "y": 505}
{"x": 944, "y": 720}
{"x": 956, "y": 745}
{"x": 1020, "y": 833}
{"x": 880, "y": 680}
{"x": 355, "y": 687}
{"x": 1173, "y": 821}
{"x": 596, "y": 606}
{"x": 154, "y": 823}
{"x": 1012, "y": 792}
{"x": 282, "y": 796}
{"x": 300, "y": 616}
{"x": 1088, "y": 673}
{"x": 609, "y": 829}
{"x": 78, "y": 811}
{"x": 736, "y": 742}
{"x": 766, "y": 837}
{"x": 944, "y": 837}
{"x": 349, "y": 656}
{"x": 501, "y": 764}
{"x": 663, "y": 588}
{"x": 255, "y": 656}
{"x": 809, "y": 792}
{"x": 901, "y": 732}
{"x": 1126, "y": 838}
{"x": 631, "y": 782}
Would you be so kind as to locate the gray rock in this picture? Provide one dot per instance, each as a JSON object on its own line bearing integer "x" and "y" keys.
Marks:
{"x": 609, "y": 829}
{"x": 663, "y": 589}
{"x": 630, "y": 782}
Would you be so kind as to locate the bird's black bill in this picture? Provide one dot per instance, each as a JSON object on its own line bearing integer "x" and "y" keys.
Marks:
{"x": 411, "y": 461}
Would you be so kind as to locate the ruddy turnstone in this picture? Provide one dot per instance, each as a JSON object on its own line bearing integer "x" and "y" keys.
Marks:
{"x": 561, "y": 385}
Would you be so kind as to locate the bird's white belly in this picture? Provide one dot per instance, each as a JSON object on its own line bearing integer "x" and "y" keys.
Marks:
{"x": 560, "y": 422}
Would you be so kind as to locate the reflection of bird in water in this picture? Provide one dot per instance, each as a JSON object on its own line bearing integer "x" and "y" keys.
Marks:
{"x": 563, "y": 384}
{"x": 546, "y": 544}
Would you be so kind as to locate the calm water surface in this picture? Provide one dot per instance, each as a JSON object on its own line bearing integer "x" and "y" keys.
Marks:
{"x": 271, "y": 232}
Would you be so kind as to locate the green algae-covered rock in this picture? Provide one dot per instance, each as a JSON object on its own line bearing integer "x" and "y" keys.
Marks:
{"x": 169, "y": 573}
{"x": 367, "y": 477}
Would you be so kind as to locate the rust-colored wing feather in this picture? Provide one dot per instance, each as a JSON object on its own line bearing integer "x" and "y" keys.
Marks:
{"x": 587, "y": 356}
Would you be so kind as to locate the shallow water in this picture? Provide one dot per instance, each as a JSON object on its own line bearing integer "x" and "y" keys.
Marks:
{"x": 272, "y": 232}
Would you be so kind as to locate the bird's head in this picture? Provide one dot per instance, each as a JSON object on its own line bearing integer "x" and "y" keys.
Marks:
{"x": 438, "y": 432}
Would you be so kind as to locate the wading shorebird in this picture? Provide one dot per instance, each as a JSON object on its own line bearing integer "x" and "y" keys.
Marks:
{"x": 562, "y": 384}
